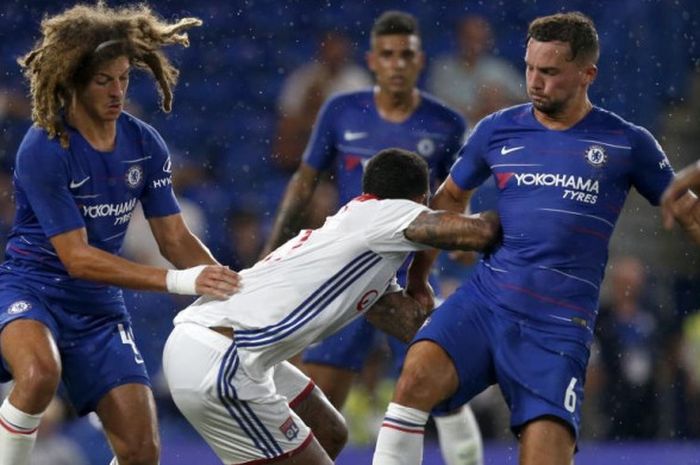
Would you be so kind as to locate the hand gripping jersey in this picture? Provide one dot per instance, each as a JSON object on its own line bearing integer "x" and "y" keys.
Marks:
{"x": 560, "y": 194}
{"x": 59, "y": 190}
{"x": 314, "y": 284}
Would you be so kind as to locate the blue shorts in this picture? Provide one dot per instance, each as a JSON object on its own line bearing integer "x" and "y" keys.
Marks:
{"x": 539, "y": 371}
{"x": 349, "y": 348}
{"x": 98, "y": 352}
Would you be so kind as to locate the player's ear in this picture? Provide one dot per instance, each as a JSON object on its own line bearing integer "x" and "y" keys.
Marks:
{"x": 590, "y": 72}
{"x": 371, "y": 58}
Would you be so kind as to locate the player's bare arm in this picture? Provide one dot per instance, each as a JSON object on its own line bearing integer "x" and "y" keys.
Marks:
{"x": 84, "y": 261}
{"x": 686, "y": 211}
{"x": 454, "y": 231}
{"x": 449, "y": 197}
{"x": 184, "y": 250}
{"x": 397, "y": 314}
{"x": 679, "y": 204}
{"x": 291, "y": 211}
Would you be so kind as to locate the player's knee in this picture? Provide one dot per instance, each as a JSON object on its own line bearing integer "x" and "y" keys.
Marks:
{"x": 413, "y": 384}
{"x": 39, "y": 379}
{"x": 139, "y": 452}
{"x": 427, "y": 377}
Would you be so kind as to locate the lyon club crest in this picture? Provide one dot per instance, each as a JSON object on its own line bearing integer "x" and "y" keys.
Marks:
{"x": 596, "y": 156}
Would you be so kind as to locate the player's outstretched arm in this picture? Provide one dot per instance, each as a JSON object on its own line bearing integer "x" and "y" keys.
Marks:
{"x": 84, "y": 261}
{"x": 686, "y": 211}
{"x": 291, "y": 211}
{"x": 397, "y": 314}
{"x": 680, "y": 204}
{"x": 184, "y": 250}
{"x": 454, "y": 231}
{"x": 451, "y": 198}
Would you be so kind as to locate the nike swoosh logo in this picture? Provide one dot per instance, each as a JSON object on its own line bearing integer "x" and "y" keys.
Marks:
{"x": 349, "y": 135}
{"x": 505, "y": 150}
{"x": 75, "y": 185}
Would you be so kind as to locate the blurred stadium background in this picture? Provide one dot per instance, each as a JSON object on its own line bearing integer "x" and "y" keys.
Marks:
{"x": 643, "y": 392}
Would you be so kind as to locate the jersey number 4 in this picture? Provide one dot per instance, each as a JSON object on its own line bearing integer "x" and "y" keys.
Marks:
{"x": 128, "y": 338}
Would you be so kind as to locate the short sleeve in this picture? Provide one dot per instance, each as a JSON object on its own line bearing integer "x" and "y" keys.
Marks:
{"x": 320, "y": 150}
{"x": 158, "y": 198}
{"x": 393, "y": 287}
{"x": 651, "y": 170}
{"x": 386, "y": 229}
{"x": 42, "y": 173}
{"x": 471, "y": 170}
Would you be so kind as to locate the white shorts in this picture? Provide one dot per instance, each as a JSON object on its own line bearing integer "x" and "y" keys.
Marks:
{"x": 242, "y": 420}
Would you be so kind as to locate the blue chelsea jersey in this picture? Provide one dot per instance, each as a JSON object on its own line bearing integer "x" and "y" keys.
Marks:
{"x": 58, "y": 190}
{"x": 559, "y": 196}
{"x": 349, "y": 131}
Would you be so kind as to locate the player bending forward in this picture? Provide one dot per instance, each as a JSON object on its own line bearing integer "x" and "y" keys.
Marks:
{"x": 225, "y": 360}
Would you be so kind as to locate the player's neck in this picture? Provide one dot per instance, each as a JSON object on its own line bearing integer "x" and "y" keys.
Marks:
{"x": 396, "y": 107}
{"x": 100, "y": 134}
{"x": 567, "y": 118}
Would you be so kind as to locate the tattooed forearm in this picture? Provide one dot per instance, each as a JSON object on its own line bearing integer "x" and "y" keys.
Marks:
{"x": 450, "y": 231}
{"x": 397, "y": 314}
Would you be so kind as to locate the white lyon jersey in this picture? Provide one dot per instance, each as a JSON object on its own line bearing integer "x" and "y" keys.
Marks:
{"x": 315, "y": 283}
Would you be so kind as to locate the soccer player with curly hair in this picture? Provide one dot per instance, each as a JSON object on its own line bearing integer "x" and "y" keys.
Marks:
{"x": 80, "y": 170}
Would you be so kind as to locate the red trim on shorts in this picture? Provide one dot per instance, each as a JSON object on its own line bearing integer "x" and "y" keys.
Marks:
{"x": 286, "y": 455}
{"x": 12, "y": 430}
{"x": 302, "y": 395}
{"x": 405, "y": 430}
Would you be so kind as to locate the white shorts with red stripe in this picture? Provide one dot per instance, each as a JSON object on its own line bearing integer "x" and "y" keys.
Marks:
{"x": 244, "y": 421}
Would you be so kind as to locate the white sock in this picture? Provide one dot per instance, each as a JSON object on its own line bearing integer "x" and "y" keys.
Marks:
{"x": 17, "y": 434}
{"x": 400, "y": 440}
{"x": 114, "y": 461}
{"x": 460, "y": 438}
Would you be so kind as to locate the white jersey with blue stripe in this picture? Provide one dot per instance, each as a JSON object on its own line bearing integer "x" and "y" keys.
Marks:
{"x": 314, "y": 284}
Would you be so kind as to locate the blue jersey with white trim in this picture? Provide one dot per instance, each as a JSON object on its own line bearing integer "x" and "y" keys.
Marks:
{"x": 349, "y": 131}
{"x": 59, "y": 190}
{"x": 560, "y": 194}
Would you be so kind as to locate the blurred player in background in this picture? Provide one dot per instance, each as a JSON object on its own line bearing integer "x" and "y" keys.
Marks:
{"x": 307, "y": 87}
{"x": 80, "y": 171}
{"x": 525, "y": 319}
{"x": 682, "y": 206}
{"x": 225, "y": 361}
{"x": 350, "y": 128}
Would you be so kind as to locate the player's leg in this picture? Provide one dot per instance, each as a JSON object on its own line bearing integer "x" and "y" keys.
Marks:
{"x": 335, "y": 382}
{"x": 541, "y": 374}
{"x": 312, "y": 406}
{"x": 460, "y": 437}
{"x": 334, "y": 362}
{"x": 104, "y": 372}
{"x": 436, "y": 372}
{"x": 458, "y": 432}
{"x": 128, "y": 415}
{"x": 30, "y": 357}
{"x": 546, "y": 441}
{"x": 428, "y": 377}
{"x": 243, "y": 419}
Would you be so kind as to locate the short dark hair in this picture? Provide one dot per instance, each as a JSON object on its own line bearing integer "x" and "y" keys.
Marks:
{"x": 574, "y": 28}
{"x": 396, "y": 174}
{"x": 395, "y": 22}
